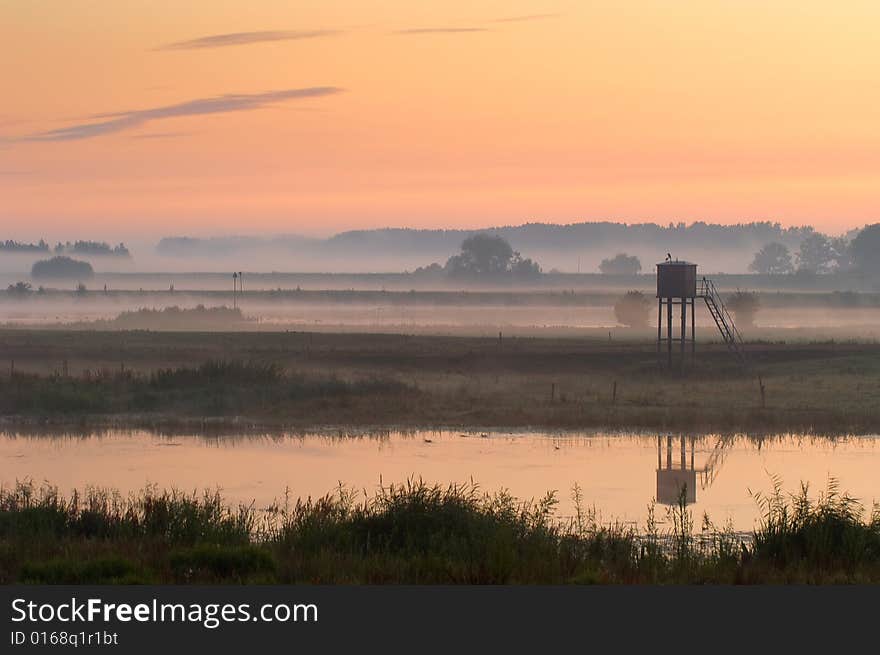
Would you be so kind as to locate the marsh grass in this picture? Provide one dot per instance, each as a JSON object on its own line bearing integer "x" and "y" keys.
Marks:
{"x": 419, "y": 533}
{"x": 213, "y": 388}
{"x": 405, "y": 380}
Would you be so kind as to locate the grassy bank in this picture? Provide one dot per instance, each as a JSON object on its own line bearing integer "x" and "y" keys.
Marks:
{"x": 418, "y": 534}
{"x": 212, "y": 389}
{"x": 308, "y": 380}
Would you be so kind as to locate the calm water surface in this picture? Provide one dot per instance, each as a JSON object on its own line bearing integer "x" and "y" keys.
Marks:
{"x": 620, "y": 474}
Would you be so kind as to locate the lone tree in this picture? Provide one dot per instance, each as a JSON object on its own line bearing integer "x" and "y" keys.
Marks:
{"x": 621, "y": 264}
{"x": 632, "y": 309}
{"x": 815, "y": 255}
{"x": 772, "y": 259}
{"x": 488, "y": 256}
{"x": 62, "y": 267}
{"x": 744, "y": 305}
{"x": 864, "y": 248}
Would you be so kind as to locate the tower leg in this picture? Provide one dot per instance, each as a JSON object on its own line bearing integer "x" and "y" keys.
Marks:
{"x": 684, "y": 331}
{"x": 659, "y": 325}
{"x": 693, "y": 328}
{"x": 669, "y": 331}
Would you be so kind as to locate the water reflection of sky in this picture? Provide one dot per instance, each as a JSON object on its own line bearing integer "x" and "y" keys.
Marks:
{"x": 618, "y": 473}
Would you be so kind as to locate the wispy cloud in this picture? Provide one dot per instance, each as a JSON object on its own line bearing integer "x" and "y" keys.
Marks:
{"x": 522, "y": 19}
{"x": 441, "y": 30}
{"x": 162, "y": 135}
{"x": 120, "y": 121}
{"x": 245, "y": 38}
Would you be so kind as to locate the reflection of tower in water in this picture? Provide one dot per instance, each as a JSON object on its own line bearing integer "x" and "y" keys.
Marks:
{"x": 673, "y": 481}
{"x": 674, "y": 478}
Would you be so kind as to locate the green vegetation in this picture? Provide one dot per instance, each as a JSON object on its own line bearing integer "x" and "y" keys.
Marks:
{"x": 177, "y": 318}
{"x": 632, "y": 309}
{"x": 62, "y": 267}
{"x": 744, "y": 305}
{"x": 418, "y": 534}
{"x": 374, "y": 380}
{"x": 215, "y": 388}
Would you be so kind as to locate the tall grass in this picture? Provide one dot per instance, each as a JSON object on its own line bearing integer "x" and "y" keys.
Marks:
{"x": 213, "y": 388}
{"x": 418, "y": 533}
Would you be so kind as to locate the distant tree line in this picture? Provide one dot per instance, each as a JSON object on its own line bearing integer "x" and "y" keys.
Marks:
{"x": 531, "y": 237}
{"x": 820, "y": 255}
{"x": 75, "y": 248}
{"x": 99, "y": 248}
{"x": 16, "y": 246}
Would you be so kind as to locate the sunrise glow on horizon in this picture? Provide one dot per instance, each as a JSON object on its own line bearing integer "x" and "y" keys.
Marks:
{"x": 130, "y": 117}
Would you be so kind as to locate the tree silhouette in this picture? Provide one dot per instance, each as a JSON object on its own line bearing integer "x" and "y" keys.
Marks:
{"x": 489, "y": 256}
{"x": 621, "y": 264}
{"x": 815, "y": 254}
{"x": 864, "y": 250}
{"x": 772, "y": 259}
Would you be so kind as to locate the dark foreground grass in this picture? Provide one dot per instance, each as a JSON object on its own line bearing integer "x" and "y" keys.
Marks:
{"x": 417, "y": 534}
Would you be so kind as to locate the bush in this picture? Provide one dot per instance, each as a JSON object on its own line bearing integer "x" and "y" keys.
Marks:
{"x": 62, "y": 267}
{"x": 632, "y": 310}
{"x": 744, "y": 305}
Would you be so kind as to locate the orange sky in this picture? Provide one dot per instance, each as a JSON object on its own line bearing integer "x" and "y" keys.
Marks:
{"x": 343, "y": 114}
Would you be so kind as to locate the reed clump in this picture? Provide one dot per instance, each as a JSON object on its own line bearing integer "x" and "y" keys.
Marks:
{"x": 419, "y": 533}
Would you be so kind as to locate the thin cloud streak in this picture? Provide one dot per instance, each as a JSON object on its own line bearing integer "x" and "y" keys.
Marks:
{"x": 245, "y": 38}
{"x": 442, "y": 30}
{"x": 119, "y": 122}
{"x": 162, "y": 135}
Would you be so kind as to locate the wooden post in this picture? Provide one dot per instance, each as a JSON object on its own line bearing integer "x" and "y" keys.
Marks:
{"x": 763, "y": 396}
{"x": 693, "y": 328}
{"x": 669, "y": 331}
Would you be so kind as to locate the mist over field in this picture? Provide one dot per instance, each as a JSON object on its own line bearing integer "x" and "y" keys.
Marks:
{"x": 571, "y": 248}
{"x": 530, "y": 280}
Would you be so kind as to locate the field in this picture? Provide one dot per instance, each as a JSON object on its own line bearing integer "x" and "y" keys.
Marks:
{"x": 310, "y": 380}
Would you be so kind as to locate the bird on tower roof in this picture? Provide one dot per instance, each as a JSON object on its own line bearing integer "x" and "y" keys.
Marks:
{"x": 669, "y": 257}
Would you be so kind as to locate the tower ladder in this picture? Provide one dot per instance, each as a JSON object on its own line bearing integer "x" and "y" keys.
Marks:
{"x": 723, "y": 321}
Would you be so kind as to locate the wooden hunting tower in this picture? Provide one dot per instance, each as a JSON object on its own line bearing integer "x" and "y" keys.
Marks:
{"x": 676, "y": 285}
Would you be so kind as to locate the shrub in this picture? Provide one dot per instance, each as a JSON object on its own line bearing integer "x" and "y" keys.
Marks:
{"x": 632, "y": 309}
{"x": 62, "y": 267}
{"x": 744, "y": 305}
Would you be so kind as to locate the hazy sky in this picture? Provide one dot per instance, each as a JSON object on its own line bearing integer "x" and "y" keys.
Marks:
{"x": 135, "y": 117}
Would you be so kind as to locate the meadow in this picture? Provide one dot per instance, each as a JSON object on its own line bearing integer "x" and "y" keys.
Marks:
{"x": 310, "y": 380}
